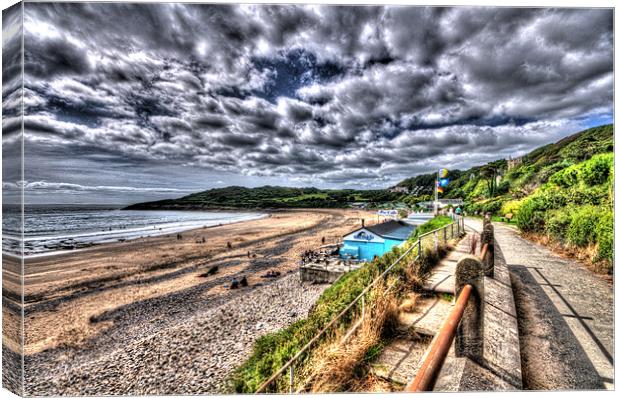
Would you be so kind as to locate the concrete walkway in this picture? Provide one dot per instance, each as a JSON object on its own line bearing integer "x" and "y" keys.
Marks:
{"x": 565, "y": 315}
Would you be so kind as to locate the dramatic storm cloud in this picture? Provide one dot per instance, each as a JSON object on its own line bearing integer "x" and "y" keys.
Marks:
{"x": 162, "y": 99}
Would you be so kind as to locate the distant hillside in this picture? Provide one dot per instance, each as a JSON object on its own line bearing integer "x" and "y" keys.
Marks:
{"x": 269, "y": 197}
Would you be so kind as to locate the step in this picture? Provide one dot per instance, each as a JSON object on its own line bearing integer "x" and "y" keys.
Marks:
{"x": 430, "y": 313}
{"x": 441, "y": 278}
{"x": 400, "y": 360}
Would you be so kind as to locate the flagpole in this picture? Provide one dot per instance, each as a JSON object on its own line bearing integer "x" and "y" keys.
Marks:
{"x": 436, "y": 192}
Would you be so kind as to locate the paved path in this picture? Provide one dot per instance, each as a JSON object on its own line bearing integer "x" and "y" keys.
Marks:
{"x": 565, "y": 315}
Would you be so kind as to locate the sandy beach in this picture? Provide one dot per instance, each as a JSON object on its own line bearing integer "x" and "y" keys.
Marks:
{"x": 82, "y": 306}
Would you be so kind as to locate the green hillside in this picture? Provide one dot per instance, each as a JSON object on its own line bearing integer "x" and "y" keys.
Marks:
{"x": 271, "y": 197}
{"x": 563, "y": 191}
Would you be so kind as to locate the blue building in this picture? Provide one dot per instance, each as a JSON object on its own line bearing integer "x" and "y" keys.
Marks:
{"x": 367, "y": 242}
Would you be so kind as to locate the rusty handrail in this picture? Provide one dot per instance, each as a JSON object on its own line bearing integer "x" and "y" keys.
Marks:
{"x": 426, "y": 376}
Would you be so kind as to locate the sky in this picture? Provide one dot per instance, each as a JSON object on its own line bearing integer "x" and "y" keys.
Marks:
{"x": 131, "y": 102}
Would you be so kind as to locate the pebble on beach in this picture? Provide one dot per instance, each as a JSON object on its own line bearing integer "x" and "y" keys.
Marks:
{"x": 193, "y": 357}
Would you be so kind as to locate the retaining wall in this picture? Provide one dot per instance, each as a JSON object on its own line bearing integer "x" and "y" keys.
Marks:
{"x": 500, "y": 366}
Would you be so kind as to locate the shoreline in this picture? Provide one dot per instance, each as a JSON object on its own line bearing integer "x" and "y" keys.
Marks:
{"x": 114, "y": 241}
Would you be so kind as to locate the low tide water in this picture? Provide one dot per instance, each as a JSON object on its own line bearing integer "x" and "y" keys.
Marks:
{"x": 57, "y": 228}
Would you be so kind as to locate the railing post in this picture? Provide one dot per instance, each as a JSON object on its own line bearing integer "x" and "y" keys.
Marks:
{"x": 363, "y": 307}
{"x": 436, "y": 240}
{"x": 445, "y": 234}
{"x": 469, "y": 335}
{"x": 487, "y": 237}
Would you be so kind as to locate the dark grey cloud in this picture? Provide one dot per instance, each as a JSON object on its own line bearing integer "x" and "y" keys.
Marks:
{"x": 319, "y": 95}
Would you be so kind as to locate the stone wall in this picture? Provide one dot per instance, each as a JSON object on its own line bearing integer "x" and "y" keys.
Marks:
{"x": 319, "y": 275}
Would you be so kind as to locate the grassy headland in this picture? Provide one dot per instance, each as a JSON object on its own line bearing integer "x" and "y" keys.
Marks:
{"x": 271, "y": 197}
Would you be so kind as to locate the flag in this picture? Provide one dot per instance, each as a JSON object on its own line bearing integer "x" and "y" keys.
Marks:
{"x": 440, "y": 189}
{"x": 443, "y": 182}
{"x": 443, "y": 173}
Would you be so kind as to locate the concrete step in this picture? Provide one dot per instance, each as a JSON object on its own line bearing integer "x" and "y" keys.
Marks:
{"x": 441, "y": 279}
{"x": 428, "y": 316}
{"x": 400, "y": 360}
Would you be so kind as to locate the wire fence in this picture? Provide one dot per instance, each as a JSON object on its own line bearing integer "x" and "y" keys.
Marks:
{"x": 285, "y": 378}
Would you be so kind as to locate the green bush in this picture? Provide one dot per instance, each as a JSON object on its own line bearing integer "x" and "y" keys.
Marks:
{"x": 531, "y": 217}
{"x": 567, "y": 177}
{"x": 557, "y": 223}
{"x": 605, "y": 235}
{"x": 582, "y": 229}
{"x": 596, "y": 170}
{"x": 430, "y": 225}
{"x": 511, "y": 207}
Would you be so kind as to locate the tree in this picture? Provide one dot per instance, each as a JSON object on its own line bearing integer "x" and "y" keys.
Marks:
{"x": 489, "y": 173}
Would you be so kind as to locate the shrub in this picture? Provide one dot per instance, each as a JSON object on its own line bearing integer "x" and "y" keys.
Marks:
{"x": 557, "y": 223}
{"x": 530, "y": 217}
{"x": 605, "y": 235}
{"x": 567, "y": 177}
{"x": 511, "y": 206}
{"x": 596, "y": 170}
{"x": 582, "y": 229}
{"x": 503, "y": 187}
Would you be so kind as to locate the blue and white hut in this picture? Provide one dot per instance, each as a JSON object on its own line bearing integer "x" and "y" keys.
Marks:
{"x": 367, "y": 242}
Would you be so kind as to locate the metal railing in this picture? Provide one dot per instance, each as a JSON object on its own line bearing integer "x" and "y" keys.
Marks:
{"x": 446, "y": 232}
{"x": 425, "y": 378}
{"x": 440, "y": 346}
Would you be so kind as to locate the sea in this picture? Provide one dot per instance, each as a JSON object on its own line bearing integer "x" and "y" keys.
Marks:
{"x": 50, "y": 229}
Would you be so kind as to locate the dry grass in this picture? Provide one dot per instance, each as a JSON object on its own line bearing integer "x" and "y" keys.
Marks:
{"x": 334, "y": 364}
{"x": 372, "y": 383}
{"x": 409, "y": 303}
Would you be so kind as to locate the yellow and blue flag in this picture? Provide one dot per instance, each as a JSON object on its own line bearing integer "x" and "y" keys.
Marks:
{"x": 443, "y": 173}
{"x": 443, "y": 182}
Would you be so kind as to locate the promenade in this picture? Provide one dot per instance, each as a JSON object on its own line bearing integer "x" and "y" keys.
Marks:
{"x": 565, "y": 316}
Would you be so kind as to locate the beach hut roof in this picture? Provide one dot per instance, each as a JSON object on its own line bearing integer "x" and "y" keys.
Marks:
{"x": 392, "y": 229}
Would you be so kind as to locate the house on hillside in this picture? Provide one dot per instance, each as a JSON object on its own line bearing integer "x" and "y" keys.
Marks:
{"x": 398, "y": 189}
{"x": 512, "y": 163}
{"x": 367, "y": 242}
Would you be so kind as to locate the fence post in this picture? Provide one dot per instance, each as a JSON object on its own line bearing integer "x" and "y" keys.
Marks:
{"x": 445, "y": 234}
{"x": 363, "y": 307}
{"x": 436, "y": 240}
{"x": 469, "y": 335}
{"x": 487, "y": 237}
